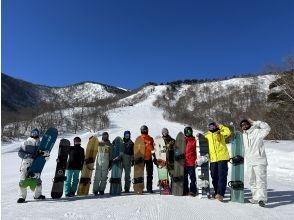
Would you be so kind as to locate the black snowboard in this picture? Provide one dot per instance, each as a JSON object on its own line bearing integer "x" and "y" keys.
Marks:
{"x": 59, "y": 178}
{"x": 203, "y": 168}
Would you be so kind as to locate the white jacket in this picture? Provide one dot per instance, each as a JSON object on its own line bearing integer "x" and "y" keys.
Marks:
{"x": 253, "y": 143}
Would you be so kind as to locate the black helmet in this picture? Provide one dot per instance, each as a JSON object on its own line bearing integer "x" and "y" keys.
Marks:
{"x": 144, "y": 129}
{"x": 105, "y": 136}
{"x": 188, "y": 131}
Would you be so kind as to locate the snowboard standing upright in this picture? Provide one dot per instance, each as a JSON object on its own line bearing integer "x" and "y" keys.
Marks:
{"x": 139, "y": 153}
{"x": 59, "y": 178}
{"x": 88, "y": 167}
{"x": 44, "y": 149}
{"x": 116, "y": 169}
{"x": 203, "y": 167}
{"x": 179, "y": 165}
{"x": 160, "y": 151}
{"x": 237, "y": 179}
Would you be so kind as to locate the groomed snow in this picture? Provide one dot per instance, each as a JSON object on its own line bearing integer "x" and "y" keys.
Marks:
{"x": 149, "y": 206}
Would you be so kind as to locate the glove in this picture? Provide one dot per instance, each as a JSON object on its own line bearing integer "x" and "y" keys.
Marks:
{"x": 117, "y": 159}
{"x": 154, "y": 160}
{"x": 47, "y": 158}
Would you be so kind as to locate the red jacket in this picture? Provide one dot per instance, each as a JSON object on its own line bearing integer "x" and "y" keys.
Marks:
{"x": 190, "y": 153}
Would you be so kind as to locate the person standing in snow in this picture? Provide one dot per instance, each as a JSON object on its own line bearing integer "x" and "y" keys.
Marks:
{"x": 28, "y": 151}
{"x": 254, "y": 133}
{"x": 103, "y": 164}
{"x": 218, "y": 157}
{"x": 127, "y": 159}
{"x": 149, "y": 153}
{"x": 169, "y": 142}
{"x": 190, "y": 162}
{"x": 75, "y": 163}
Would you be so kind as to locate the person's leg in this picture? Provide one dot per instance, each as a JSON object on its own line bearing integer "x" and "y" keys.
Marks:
{"x": 149, "y": 169}
{"x": 214, "y": 176}
{"x": 67, "y": 184}
{"x": 97, "y": 179}
{"x": 38, "y": 190}
{"x": 186, "y": 188}
{"x": 127, "y": 169}
{"x": 192, "y": 174}
{"x": 222, "y": 177}
{"x": 75, "y": 181}
{"x": 261, "y": 183}
{"x": 252, "y": 180}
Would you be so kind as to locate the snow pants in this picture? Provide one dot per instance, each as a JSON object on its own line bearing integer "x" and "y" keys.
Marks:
{"x": 126, "y": 166}
{"x": 72, "y": 180}
{"x": 22, "y": 192}
{"x": 190, "y": 171}
{"x": 219, "y": 174}
{"x": 100, "y": 178}
{"x": 258, "y": 181}
{"x": 149, "y": 170}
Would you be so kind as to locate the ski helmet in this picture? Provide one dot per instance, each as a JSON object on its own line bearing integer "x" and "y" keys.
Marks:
{"x": 144, "y": 129}
{"x": 77, "y": 140}
{"x": 105, "y": 136}
{"x": 35, "y": 133}
{"x": 164, "y": 132}
{"x": 188, "y": 131}
{"x": 245, "y": 124}
{"x": 127, "y": 134}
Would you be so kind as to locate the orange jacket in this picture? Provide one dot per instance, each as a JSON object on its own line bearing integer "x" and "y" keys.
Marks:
{"x": 149, "y": 146}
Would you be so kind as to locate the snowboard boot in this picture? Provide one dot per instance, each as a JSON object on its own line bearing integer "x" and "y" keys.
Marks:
{"x": 69, "y": 195}
{"x": 192, "y": 194}
{"x": 95, "y": 193}
{"x": 261, "y": 203}
{"x": 101, "y": 193}
{"x": 21, "y": 200}
{"x": 150, "y": 191}
{"x": 219, "y": 197}
{"x": 41, "y": 197}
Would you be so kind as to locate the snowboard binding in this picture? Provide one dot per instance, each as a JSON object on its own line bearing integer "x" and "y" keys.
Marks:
{"x": 115, "y": 180}
{"x": 236, "y": 185}
{"x": 85, "y": 181}
{"x": 138, "y": 180}
{"x": 179, "y": 157}
{"x": 59, "y": 179}
{"x": 138, "y": 160}
{"x": 236, "y": 160}
{"x": 178, "y": 178}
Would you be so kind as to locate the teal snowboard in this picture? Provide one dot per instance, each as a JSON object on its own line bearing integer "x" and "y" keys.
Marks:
{"x": 44, "y": 149}
{"x": 237, "y": 179}
{"x": 116, "y": 170}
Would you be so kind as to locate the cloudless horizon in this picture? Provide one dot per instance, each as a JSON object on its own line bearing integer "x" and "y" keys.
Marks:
{"x": 129, "y": 43}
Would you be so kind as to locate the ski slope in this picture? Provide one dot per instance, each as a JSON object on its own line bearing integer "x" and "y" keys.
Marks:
{"x": 148, "y": 206}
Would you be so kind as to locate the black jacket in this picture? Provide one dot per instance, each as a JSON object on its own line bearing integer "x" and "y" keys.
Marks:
{"x": 129, "y": 147}
{"x": 76, "y": 158}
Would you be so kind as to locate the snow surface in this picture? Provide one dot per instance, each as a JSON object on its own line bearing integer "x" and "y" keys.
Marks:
{"x": 148, "y": 206}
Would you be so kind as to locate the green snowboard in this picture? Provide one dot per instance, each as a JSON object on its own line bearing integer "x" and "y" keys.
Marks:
{"x": 237, "y": 179}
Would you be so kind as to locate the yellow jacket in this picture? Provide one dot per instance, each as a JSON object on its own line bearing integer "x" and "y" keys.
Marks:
{"x": 217, "y": 145}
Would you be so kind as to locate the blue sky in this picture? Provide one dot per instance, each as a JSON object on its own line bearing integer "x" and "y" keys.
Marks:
{"x": 127, "y": 43}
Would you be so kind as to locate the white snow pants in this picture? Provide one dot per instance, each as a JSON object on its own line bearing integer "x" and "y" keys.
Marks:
{"x": 22, "y": 192}
{"x": 258, "y": 181}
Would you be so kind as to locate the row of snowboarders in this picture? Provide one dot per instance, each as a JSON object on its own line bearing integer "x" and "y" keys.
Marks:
{"x": 253, "y": 134}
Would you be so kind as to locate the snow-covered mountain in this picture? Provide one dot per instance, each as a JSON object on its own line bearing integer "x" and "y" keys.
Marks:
{"x": 17, "y": 94}
{"x": 146, "y": 206}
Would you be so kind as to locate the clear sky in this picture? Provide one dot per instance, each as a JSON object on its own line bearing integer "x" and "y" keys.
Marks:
{"x": 127, "y": 43}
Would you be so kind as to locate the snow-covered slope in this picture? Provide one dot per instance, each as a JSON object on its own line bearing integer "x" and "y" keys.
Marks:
{"x": 148, "y": 206}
